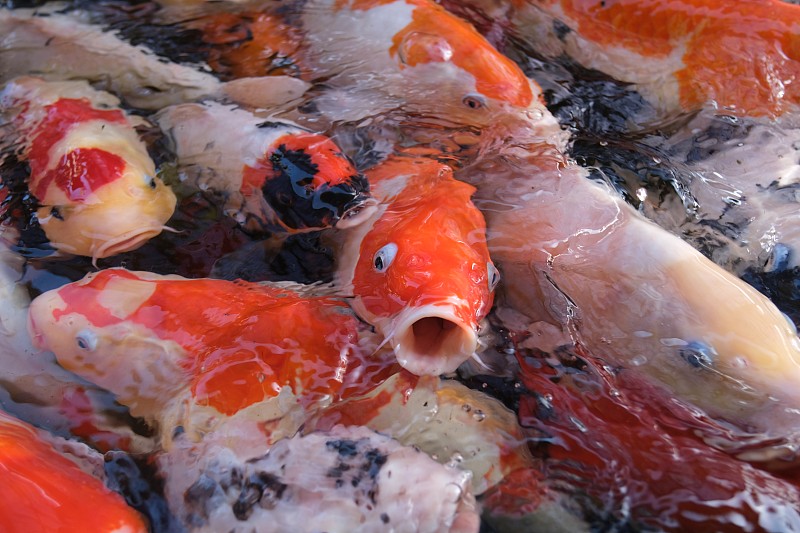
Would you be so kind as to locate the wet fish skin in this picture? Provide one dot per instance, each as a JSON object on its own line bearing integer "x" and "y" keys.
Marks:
{"x": 90, "y": 172}
{"x": 46, "y": 489}
{"x": 419, "y": 269}
{"x": 172, "y": 349}
{"x": 274, "y": 175}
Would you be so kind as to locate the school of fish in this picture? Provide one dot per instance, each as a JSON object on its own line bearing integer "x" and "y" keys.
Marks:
{"x": 399, "y": 265}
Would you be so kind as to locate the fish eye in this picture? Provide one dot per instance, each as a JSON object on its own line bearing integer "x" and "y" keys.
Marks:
{"x": 55, "y": 212}
{"x": 150, "y": 181}
{"x": 384, "y": 257}
{"x": 87, "y": 340}
{"x": 493, "y": 275}
{"x": 474, "y": 101}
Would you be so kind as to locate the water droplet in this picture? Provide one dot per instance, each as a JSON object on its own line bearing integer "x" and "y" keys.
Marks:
{"x": 478, "y": 415}
{"x": 639, "y": 360}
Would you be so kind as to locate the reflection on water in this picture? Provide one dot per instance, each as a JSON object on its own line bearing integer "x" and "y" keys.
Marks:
{"x": 631, "y": 421}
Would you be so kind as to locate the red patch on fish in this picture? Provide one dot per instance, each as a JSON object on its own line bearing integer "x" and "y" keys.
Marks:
{"x": 79, "y": 171}
{"x": 240, "y": 336}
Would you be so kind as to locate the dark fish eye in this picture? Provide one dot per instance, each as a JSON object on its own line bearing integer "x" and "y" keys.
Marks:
{"x": 474, "y": 101}
{"x": 384, "y": 257}
{"x": 55, "y": 212}
{"x": 698, "y": 354}
{"x": 86, "y": 340}
{"x": 493, "y": 276}
{"x": 151, "y": 181}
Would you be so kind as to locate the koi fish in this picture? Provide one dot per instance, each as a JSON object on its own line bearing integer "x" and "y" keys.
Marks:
{"x": 37, "y": 389}
{"x": 275, "y": 175}
{"x": 46, "y": 490}
{"x": 172, "y": 349}
{"x": 683, "y": 55}
{"x": 59, "y": 45}
{"x": 407, "y": 55}
{"x": 342, "y": 480}
{"x": 444, "y": 419}
{"x": 419, "y": 269}
{"x": 637, "y": 457}
{"x": 89, "y": 171}
{"x": 576, "y": 256}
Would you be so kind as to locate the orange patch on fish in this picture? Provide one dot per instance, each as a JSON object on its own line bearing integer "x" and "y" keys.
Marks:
{"x": 42, "y": 490}
{"x": 744, "y": 55}
{"x": 436, "y": 36}
{"x": 253, "y": 44}
{"x": 235, "y": 336}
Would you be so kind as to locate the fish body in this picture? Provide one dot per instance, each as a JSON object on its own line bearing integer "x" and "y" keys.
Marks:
{"x": 345, "y": 479}
{"x": 89, "y": 171}
{"x": 738, "y": 56}
{"x": 44, "y": 489}
{"x": 631, "y": 454}
{"x": 576, "y": 256}
{"x": 184, "y": 351}
{"x": 419, "y": 269}
{"x": 276, "y": 176}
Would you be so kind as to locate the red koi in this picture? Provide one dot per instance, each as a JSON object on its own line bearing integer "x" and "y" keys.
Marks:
{"x": 419, "y": 269}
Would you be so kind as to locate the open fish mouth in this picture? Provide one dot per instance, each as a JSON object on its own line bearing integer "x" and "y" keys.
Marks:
{"x": 432, "y": 340}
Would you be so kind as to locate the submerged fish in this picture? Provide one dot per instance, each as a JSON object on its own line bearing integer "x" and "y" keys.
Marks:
{"x": 419, "y": 269}
{"x": 683, "y": 55}
{"x": 576, "y": 256}
{"x": 341, "y": 480}
{"x": 89, "y": 171}
{"x": 61, "y": 44}
{"x": 186, "y": 352}
{"x": 44, "y": 489}
{"x": 275, "y": 176}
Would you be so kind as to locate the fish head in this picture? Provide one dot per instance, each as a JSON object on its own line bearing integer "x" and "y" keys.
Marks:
{"x": 447, "y": 62}
{"x": 423, "y": 275}
{"x": 102, "y": 201}
{"x": 310, "y": 183}
{"x": 86, "y": 325}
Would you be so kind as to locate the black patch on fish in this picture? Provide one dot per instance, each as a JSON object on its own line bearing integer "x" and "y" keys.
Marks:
{"x": 197, "y": 499}
{"x": 295, "y": 200}
{"x": 344, "y": 447}
{"x": 261, "y": 488}
{"x": 338, "y": 470}
{"x": 374, "y": 461}
{"x": 707, "y": 142}
{"x": 268, "y": 124}
{"x": 384, "y": 518}
{"x": 698, "y": 354}
{"x": 560, "y": 29}
{"x": 130, "y": 478}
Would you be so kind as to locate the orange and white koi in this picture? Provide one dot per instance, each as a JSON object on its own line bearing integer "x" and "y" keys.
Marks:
{"x": 46, "y": 490}
{"x": 89, "y": 171}
{"x": 574, "y": 255}
{"x": 419, "y": 269}
{"x": 275, "y": 175}
{"x": 739, "y": 56}
{"x": 185, "y": 352}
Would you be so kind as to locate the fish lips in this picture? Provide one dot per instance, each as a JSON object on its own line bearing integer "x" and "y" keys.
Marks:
{"x": 432, "y": 339}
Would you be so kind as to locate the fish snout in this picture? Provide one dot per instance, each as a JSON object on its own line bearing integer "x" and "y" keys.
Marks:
{"x": 432, "y": 339}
